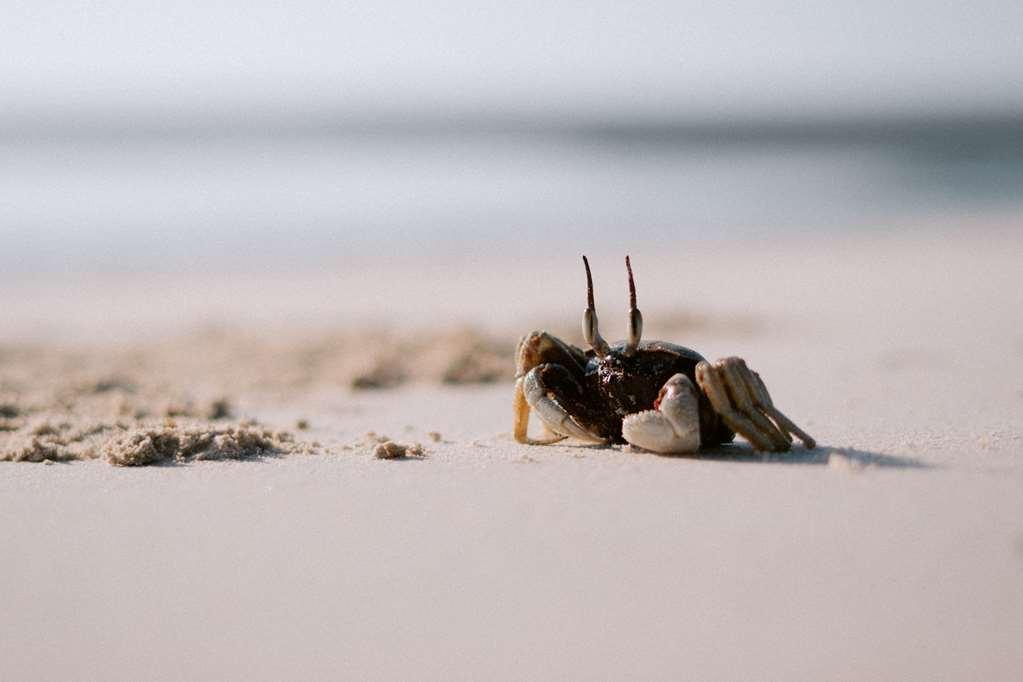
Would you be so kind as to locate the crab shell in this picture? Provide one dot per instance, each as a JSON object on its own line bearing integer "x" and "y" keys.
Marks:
{"x": 620, "y": 384}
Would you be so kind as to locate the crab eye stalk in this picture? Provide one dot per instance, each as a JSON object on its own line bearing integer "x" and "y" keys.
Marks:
{"x": 635, "y": 317}
{"x": 590, "y": 331}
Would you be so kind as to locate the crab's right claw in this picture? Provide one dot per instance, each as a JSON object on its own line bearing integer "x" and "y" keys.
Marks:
{"x": 535, "y": 395}
{"x": 522, "y": 421}
{"x": 673, "y": 426}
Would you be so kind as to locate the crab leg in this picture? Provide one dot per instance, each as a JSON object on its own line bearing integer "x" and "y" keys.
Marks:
{"x": 522, "y": 420}
{"x": 736, "y": 409}
{"x": 763, "y": 400}
{"x": 737, "y": 376}
{"x": 714, "y": 387}
{"x": 740, "y": 397}
{"x": 538, "y": 347}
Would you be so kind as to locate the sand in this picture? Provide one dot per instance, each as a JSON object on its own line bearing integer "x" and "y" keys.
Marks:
{"x": 892, "y": 551}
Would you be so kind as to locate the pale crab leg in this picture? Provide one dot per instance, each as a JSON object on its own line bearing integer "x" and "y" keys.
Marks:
{"x": 764, "y": 402}
{"x": 674, "y": 426}
{"x": 538, "y": 347}
{"x": 740, "y": 396}
{"x": 714, "y": 386}
{"x": 535, "y": 349}
{"x": 735, "y": 373}
{"x": 522, "y": 420}
{"x": 551, "y": 412}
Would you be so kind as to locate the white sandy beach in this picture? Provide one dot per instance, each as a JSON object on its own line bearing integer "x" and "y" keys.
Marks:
{"x": 892, "y": 551}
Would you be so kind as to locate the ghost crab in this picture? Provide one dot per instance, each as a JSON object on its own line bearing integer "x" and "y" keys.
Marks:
{"x": 655, "y": 395}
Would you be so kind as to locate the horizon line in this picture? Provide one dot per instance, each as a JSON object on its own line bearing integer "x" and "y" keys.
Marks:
{"x": 976, "y": 128}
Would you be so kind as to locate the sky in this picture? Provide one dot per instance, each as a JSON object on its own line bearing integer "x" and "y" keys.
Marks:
{"x": 68, "y": 61}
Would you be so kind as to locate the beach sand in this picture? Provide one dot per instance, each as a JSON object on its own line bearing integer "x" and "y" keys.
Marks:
{"x": 892, "y": 551}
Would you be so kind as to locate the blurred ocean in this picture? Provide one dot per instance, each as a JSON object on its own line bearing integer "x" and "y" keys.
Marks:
{"x": 192, "y": 199}
{"x": 143, "y": 136}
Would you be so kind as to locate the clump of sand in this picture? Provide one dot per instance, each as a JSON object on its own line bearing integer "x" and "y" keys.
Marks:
{"x": 382, "y": 447}
{"x": 392, "y": 450}
{"x": 55, "y": 441}
{"x": 172, "y": 443}
{"x": 135, "y": 443}
{"x": 37, "y": 449}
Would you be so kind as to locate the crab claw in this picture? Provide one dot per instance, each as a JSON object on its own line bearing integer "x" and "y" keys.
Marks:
{"x": 551, "y": 413}
{"x": 673, "y": 426}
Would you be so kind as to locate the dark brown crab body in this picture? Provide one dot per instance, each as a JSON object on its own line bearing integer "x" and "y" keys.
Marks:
{"x": 607, "y": 389}
{"x": 657, "y": 395}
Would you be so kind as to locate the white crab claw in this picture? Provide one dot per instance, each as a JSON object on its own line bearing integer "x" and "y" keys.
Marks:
{"x": 551, "y": 413}
{"x": 673, "y": 427}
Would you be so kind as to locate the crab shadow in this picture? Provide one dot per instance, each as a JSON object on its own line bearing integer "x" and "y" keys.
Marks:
{"x": 821, "y": 455}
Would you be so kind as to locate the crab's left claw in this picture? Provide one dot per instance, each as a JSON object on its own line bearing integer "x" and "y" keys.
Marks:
{"x": 673, "y": 426}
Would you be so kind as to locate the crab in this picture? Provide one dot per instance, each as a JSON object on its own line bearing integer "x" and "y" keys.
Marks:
{"x": 654, "y": 395}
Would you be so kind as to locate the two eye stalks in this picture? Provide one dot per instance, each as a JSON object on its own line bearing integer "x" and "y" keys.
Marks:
{"x": 590, "y": 331}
